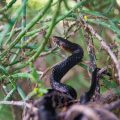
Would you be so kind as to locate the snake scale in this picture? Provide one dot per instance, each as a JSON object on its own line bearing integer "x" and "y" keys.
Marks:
{"x": 61, "y": 94}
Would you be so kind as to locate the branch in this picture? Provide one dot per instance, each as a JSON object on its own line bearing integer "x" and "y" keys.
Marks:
{"x": 112, "y": 106}
{"x": 75, "y": 110}
{"x": 9, "y": 5}
{"x": 104, "y": 45}
{"x": 44, "y": 42}
{"x": 28, "y": 27}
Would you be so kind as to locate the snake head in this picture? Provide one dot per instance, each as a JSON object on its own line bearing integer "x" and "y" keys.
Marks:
{"x": 64, "y": 43}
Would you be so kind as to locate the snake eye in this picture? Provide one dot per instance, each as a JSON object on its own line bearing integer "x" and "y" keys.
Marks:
{"x": 58, "y": 41}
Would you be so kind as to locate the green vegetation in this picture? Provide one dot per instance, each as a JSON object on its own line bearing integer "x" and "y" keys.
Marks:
{"x": 26, "y": 50}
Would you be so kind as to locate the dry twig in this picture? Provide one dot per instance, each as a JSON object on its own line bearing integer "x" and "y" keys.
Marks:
{"x": 104, "y": 45}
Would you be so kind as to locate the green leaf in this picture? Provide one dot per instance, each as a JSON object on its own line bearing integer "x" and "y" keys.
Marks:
{"x": 21, "y": 92}
{"x": 21, "y": 75}
{"x": 3, "y": 70}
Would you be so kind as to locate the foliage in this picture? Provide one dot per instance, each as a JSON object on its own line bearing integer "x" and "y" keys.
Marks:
{"x": 25, "y": 47}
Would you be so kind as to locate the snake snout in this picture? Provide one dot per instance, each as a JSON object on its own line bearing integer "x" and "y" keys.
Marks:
{"x": 59, "y": 42}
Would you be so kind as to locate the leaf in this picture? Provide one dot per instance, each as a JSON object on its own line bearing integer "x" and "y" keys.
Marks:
{"x": 21, "y": 75}
{"x": 3, "y": 70}
{"x": 21, "y": 92}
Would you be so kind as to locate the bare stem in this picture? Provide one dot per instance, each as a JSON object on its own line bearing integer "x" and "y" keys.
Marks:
{"x": 104, "y": 45}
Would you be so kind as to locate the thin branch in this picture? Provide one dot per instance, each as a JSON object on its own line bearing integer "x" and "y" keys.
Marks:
{"x": 48, "y": 69}
{"x": 90, "y": 49}
{"x": 47, "y": 34}
{"x": 112, "y": 106}
{"x": 77, "y": 109}
{"x": 24, "y": 3}
{"x": 44, "y": 42}
{"x": 9, "y": 5}
{"x": 16, "y": 103}
{"x": 104, "y": 45}
{"x": 20, "y": 104}
{"x": 47, "y": 53}
{"x": 28, "y": 27}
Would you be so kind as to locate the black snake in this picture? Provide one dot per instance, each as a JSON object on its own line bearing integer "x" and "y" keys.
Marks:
{"x": 61, "y": 69}
{"x": 62, "y": 94}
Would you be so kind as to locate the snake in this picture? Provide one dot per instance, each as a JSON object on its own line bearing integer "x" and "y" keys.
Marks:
{"x": 60, "y": 93}
{"x": 85, "y": 98}
{"x": 63, "y": 67}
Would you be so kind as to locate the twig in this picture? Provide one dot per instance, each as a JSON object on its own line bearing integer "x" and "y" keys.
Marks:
{"x": 46, "y": 53}
{"x": 24, "y": 3}
{"x": 9, "y": 5}
{"x": 77, "y": 109}
{"x": 47, "y": 34}
{"x": 90, "y": 49}
{"x": 47, "y": 70}
{"x": 28, "y": 27}
{"x": 113, "y": 105}
{"x": 110, "y": 96}
{"x": 104, "y": 45}
{"x": 19, "y": 103}
{"x": 16, "y": 103}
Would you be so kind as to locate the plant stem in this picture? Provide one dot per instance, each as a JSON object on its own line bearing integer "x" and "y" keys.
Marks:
{"x": 9, "y": 5}
{"x": 28, "y": 27}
